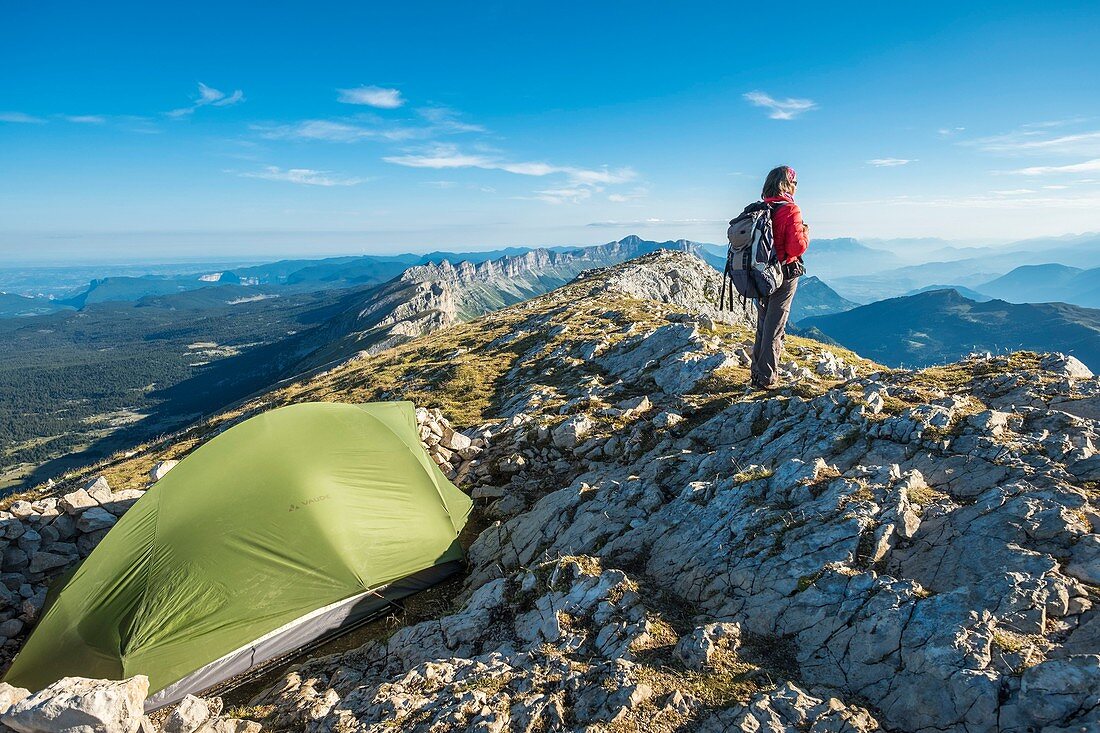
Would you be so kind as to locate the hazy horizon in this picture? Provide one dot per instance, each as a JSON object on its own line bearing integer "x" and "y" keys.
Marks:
{"x": 81, "y": 259}
{"x": 365, "y": 129}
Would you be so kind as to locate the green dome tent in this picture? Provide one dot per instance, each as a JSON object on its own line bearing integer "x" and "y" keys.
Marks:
{"x": 283, "y": 529}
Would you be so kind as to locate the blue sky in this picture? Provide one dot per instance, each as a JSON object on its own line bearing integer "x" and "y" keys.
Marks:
{"x": 201, "y": 129}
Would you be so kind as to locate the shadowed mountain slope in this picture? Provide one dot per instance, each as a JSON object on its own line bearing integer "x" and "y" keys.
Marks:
{"x": 123, "y": 371}
{"x": 942, "y": 325}
{"x": 1047, "y": 283}
{"x": 815, "y": 298}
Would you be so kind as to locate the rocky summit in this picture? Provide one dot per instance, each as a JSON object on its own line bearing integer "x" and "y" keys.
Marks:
{"x": 656, "y": 548}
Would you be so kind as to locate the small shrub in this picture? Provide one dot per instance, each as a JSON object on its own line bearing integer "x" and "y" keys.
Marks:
{"x": 255, "y": 713}
{"x": 753, "y": 473}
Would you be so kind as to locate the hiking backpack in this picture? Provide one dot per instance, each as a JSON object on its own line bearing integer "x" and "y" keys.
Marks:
{"x": 753, "y": 269}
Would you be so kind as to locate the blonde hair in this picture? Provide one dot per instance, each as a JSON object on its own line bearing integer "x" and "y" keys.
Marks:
{"x": 776, "y": 178}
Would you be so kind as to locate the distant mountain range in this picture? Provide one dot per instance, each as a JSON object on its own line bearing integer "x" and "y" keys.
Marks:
{"x": 970, "y": 267}
{"x": 299, "y": 275}
{"x": 859, "y": 271}
{"x": 118, "y": 370}
{"x": 1047, "y": 283}
{"x": 826, "y": 258}
{"x": 61, "y": 281}
{"x": 814, "y": 298}
{"x": 940, "y": 325}
{"x": 960, "y": 289}
{"x": 910, "y": 278}
{"x": 833, "y": 258}
{"x": 429, "y": 296}
{"x": 129, "y": 355}
{"x": 20, "y": 305}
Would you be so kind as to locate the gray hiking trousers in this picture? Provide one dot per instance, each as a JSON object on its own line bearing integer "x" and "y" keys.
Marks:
{"x": 770, "y": 329}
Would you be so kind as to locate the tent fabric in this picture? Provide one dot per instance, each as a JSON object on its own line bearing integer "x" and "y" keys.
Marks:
{"x": 313, "y": 628}
{"x": 288, "y": 513}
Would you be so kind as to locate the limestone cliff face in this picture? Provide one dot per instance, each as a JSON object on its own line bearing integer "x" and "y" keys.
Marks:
{"x": 428, "y": 297}
{"x": 466, "y": 272}
{"x": 540, "y": 260}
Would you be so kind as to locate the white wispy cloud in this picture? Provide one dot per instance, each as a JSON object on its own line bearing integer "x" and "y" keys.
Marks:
{"x": 430, "y": 126}
{"x": 637, "y": 193}
{"x": 380, "y": 97}
{"x": 1014, "y": 192}
{"x": 780, "y": 109}
{"x": 304, "y": 176}
{"x": 579, "y": 183}
{"x": 85, "y": 119}
{"x": 450, "y": 185}
{"x": 653, "y": 222}
{"x": 441, "y": 122}
{"x": 568, "y": 194}
{"x": 139, "y": 124}
{"x": 209, "y": 97}
{"x": 20, "y": 118}
{"x": 950, "y": 131}
{"x": 890, "y": 162}
{"x": 1088, "y": 166}
{"x": 1034, "y": 140}
{"x": 445, "y": 119}
{"x": 1055, "y": 123}
{"x": 443, "y": 157}
{"x": 323, "y": 130}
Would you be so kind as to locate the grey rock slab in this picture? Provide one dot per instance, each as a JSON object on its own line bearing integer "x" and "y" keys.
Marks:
{"x": 455, "y": 441}
{"x": 120, "y": 501}
{"x": 78, "y": 705}
{"x": 695, "y": 650}
{"x": 11, "y": 628}
{"x": 1086, "y": 407}
{"x": 230, "y": 725}
{"x": 1084, "y": 562}
{"x": 76, "y": 502}
{"x": 22, "y": 509}
{"x": 97, "y": 484}
{"x": 1065, "y": 364}
{"x": 1057, "y": 692}
{"x": 190, "y": 713}
{"x": 160, "y": 468}
{"x": 572, "y": 431}
{"x": 10, "y": 695}
{"x": 95, "y": 519}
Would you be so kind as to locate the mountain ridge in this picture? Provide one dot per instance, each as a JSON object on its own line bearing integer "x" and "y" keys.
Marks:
{"x": 176, "y": 355}
{"x": 1045, "y": 283}
{"x": 430, "y": 296}
{"x": 941, "y": 325}
{"x": 655, "y": 545}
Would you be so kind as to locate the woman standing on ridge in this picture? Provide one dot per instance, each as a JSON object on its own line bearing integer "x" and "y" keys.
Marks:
{"x": 791, "y": 237}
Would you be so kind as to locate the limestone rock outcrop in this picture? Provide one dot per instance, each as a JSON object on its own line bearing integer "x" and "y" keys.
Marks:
{"x": 660, "y": 548}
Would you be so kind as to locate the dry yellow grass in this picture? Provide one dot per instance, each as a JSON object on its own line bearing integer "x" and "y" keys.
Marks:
{"x": 463, "y": 370}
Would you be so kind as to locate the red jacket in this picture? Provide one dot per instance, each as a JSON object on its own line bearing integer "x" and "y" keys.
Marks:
{"x": 790, "y": 237}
